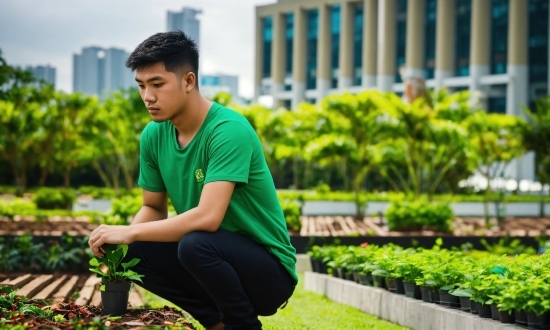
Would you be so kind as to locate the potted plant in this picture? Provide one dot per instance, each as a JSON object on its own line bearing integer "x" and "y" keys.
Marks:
{"x": 115, "y": 282}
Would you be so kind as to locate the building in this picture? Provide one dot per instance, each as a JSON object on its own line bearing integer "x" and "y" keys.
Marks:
{"x": 99, "y": 71}
{"x": 307, "y": 49}
{"x": 186, "y": 21}
{"x": 212, "y": 84}
{"x": 43, "y": 72}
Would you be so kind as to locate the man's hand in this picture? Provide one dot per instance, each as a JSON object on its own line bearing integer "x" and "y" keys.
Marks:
{"x": 109, "y": 234}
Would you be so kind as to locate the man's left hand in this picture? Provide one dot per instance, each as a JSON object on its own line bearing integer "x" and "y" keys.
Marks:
{"x": 109, "y": 234}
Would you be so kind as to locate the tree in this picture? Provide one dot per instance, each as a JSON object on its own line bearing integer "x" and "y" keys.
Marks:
{"x": 352, "y": 129}
{"x": 425, "y": 145}
{"x": 18, "y": 133}
{"x": 536, "y": 136}
{"x": 496, "y": 140}
{"x": 74, "y": 120}
{"x": 121, "y": 118}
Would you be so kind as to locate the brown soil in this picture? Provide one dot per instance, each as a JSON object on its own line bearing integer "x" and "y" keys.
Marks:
{"x": 466, "y": 226}
{"x": 90, "y": 316}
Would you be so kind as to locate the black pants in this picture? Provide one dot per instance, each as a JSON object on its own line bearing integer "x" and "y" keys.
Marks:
{"x": 220, "y": 276}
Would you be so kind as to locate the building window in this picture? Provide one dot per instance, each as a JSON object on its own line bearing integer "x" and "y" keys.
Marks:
{"x": 289, "y": 39}
{"x": 334, "y": 44}
{"x": 401, "y": 47}
{"x": 538, "y": 49}
{"x": 429, "y": 36}
{"x": 267, "y": 44}
{"x": 357, "y": 44}
{"x": 497, "y": 105}
{"x": 463, "y": 32}
{"x": 499, "y": 36}
{"x": 311, "y": 57}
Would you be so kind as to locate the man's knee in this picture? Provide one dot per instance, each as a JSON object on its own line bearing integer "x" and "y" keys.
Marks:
{"x": 193, "y": 246}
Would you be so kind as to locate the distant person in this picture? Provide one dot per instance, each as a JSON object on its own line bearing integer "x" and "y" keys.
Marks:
{"x": 415, "y": 87}
{"x": 226, "y": 257}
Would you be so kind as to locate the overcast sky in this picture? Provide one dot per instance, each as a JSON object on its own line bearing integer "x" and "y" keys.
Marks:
{"x": 34, "y": 32}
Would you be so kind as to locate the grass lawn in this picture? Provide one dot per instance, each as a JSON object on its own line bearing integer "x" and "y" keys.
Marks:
{"x": 305, "y": 311}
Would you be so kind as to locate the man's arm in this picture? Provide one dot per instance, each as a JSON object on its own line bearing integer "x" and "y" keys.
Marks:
{"x": 207, "y": 216}
{"x": 155, "y": 207}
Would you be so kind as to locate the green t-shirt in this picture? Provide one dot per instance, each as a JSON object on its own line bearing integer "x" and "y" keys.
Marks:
{"x": 226, "y": 148}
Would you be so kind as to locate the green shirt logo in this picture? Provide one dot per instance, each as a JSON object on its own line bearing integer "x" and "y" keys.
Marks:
{"x": 199, "y": 175}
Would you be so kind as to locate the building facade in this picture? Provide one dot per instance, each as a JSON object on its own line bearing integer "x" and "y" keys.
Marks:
{"x": 186, "y": 21}
{"x": 43, "y": 72}
{"x": 308, "y": 49}
{"x": 212, "y": 84}
{"x": 99, "y": 71}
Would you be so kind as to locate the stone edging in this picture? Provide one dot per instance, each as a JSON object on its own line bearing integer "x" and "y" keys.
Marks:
{"x": 396, "y": 308}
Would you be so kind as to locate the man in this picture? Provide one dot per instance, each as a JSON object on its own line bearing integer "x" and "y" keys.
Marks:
{"x": 226, "y": 257}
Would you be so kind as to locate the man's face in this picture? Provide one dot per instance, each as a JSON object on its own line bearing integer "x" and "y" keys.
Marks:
{"x": 162, "y": 92}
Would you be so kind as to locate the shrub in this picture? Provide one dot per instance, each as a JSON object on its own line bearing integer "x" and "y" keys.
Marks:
{"x": 408, "y": 216}
{"x": 126, "y": 206}
{"x": 16, "y": 206}
{"x": 54, "y": 198}
{"x": 292, "y": 211}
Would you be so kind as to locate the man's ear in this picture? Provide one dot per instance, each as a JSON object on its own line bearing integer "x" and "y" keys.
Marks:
{"x": 189, "y": 80}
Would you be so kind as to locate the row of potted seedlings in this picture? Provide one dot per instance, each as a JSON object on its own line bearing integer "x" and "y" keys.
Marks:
{"x": 505, "y": 288}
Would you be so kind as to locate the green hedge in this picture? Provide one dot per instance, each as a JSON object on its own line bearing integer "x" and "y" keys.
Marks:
{"x": 47, "y": 198}
{"x": 418, "y": 215}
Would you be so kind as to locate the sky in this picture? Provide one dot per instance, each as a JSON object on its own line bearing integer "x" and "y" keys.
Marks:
{"x": 40, "y": 32}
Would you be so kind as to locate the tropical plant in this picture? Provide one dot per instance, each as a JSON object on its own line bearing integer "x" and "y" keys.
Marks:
{"x": 113, "y": 260}
{"x": 536, "y": 136}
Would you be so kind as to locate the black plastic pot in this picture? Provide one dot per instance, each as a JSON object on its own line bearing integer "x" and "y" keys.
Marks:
{"x": 520, "y": 317}
{"x": 535, "y": 321}
{"x": 400, "y": 287}
{"x": 464, "y": 303}
{"x": 506, "y": 317}
{"x": 484, "y": 310}
{"x": 379, "y": 282}
{"x": 356, "y": 277}
{"x": 391, "y": 285}
{"x": 412, "y": 290}
{"x": 340, "y": 273}
{"x": 348, "y": 276}
{"x": 115, "y": 298}
{"x": 473, "y": 307}
{"x": 426, "y": 291}
{"x": 366, "y": 279}
{"x": 495, "y": 315}
{"x": 448, "y": 300}
{"x": 436, "y": 299}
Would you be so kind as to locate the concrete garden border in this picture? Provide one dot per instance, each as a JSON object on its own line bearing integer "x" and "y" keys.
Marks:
{"x": 397, "y": 308}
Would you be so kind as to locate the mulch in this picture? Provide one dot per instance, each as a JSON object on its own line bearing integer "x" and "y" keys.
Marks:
{"x": 79, "y": 317}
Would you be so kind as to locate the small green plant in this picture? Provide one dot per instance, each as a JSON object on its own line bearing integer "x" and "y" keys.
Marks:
{"x": 112, "y": 259}
{"x": 59, "y": 318}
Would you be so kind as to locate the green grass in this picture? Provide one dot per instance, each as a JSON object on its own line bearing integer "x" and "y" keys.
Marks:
{"x": 307, "y": 311}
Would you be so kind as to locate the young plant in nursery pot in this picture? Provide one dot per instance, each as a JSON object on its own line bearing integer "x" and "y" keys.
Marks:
{"x": 115, "y": 282}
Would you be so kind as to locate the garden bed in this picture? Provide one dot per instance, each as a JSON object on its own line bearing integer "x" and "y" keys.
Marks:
{"x": 311, "y": 226}
{"x": 78, "y": 300}
{"x": 397, "y": 308}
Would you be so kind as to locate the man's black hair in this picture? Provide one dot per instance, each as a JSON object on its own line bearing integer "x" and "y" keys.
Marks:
{"x": 175, "y": 49}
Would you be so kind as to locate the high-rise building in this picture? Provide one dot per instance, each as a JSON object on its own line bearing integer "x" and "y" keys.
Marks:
{"x": 211, "y": 84}
{"x": 307, "y": 49}
{"x": 43, "y": 72}
{"x": 99, "y": 71}
{"x": 186, "y": 21}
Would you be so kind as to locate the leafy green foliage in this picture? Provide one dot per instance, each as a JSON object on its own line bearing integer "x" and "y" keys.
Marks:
{"x": 21, "y": 253}
{"x": 113, "y": 260}
{"x": 292, "y": 211}
{"x": 54, "y": 198}
{"x": 416, "y": 215}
